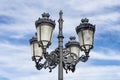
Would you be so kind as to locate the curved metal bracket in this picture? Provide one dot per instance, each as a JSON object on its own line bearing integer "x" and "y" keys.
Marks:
{"x": 51, "y": 60}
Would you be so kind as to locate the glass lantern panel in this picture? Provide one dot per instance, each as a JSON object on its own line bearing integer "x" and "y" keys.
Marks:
{"x": 88, "y": 37}
{"x": 38, "y": 34}
{"x": 36, "y": 50}
{"x": 80, "y": 38}
{"x": 44, "y": 34}
{"x": 75, "y": 50}
{"x": 32, "y": 51}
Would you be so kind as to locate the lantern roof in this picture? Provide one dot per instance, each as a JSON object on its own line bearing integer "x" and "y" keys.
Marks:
{"x": 72, "y": 42}
{"x": 33, "y": 40}
{"x": 45, "y": 20}
{"x": 85, "y": 25}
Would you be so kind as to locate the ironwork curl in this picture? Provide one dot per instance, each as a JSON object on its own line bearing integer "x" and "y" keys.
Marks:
{"x": 69, "y": 60}
{"x": 51, "y": 60}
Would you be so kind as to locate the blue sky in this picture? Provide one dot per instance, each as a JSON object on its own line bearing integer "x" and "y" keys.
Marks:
{"x": 17, "y": 26}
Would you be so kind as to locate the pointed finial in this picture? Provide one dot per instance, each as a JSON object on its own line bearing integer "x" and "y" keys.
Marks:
{"x": 60, "y": 13}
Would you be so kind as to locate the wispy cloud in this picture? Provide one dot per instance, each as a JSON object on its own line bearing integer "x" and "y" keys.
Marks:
{"x": 95, "y": 73}
{"x": 105, "y": 56}
{"x": 92, "y": 6}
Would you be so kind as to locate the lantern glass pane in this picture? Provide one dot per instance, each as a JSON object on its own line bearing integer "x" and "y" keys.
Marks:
{"x": 36, "y": 50}
{"x": 75, "y": 50}
{"x": 32, "y": 51}
{"x": 80, "y": 38}
{"x": 88, "y": 37}
{"x": 44, "y": 34}
{"x": 38, "y": 34}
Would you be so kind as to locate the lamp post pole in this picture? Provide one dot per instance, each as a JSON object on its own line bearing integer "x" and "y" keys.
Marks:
{"x": 60, "y": 39}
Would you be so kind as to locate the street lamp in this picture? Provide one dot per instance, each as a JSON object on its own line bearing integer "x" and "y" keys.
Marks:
{"x": 67, "y": 57}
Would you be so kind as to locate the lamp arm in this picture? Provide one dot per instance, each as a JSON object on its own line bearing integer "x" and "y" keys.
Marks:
{"x": 51, "y": 60}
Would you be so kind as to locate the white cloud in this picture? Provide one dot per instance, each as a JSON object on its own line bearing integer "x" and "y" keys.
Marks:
{"x": 92, "y": 6}
{"x": 105, "y": 18}
{"x": 95, "y": 73}
{"x": 107, "y": 56}
{"x": 17, "y": 31}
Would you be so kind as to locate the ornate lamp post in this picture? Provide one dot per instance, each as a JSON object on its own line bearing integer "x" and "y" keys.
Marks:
{"x": 67, "y": 57}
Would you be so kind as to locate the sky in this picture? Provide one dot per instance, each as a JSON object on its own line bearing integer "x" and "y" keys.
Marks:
{"x": 17, "y": 26}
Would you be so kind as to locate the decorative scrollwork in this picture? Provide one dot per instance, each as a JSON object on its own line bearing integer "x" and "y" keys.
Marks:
{"x": 51, "y": 60}
{"x": 69, "y": 60}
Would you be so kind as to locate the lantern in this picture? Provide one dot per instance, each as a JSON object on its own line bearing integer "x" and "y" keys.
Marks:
{"x": 36, "y": 50}
{"x": 45, "y": 27}
{"x": 73, "y": 46}
{"x": 85, "y": 33}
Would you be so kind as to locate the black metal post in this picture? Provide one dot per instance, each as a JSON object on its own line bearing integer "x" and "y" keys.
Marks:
{"x": 60, "y": 39}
